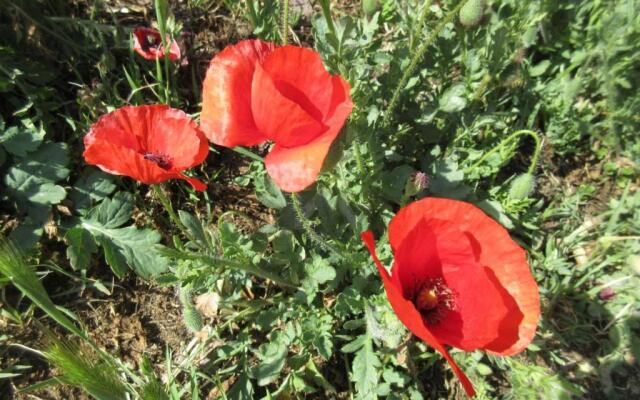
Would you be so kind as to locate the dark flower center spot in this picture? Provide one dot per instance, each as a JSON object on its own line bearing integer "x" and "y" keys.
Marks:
{"x": 434, "y": 299}
{"x": 163, "y": 161}
{"x": 150, "y": 42}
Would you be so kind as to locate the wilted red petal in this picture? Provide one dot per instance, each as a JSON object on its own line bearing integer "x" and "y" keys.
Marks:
{"x": 151, "y": 144}
{"x": 147, "y": 43}
{"x": 294, "y": 169}
{"x": 226, "y": 117}
{"x": 410, "y": 317}
{"x": 494, "y": 249}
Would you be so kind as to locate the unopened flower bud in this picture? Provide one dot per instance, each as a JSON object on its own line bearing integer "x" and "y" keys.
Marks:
{"x": 522, "y": 186}
{"x": 607, "y": 294}
{"x": 416, "y": 182}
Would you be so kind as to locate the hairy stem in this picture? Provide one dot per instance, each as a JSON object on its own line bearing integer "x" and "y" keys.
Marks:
{"x": 417, "y": 57}
{"x": 166, "y": 203}
{"x": 308, "y": 228}
{"x": 285, "y": 21}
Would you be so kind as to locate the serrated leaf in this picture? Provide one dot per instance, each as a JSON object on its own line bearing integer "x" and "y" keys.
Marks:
{"x": 114, "y": 212}
{"x": 365, "y": 370}
{"x": 93, "y": 185}
{"x": 27, "y": 186}
{"x": 273, "y": 362}
{"x": 81, "y": 247}
{"x": 324, "y": 345}
{"x": 20, "y": 141}
{"x": 48, "y": 163}
{"x": 130, "y": 246}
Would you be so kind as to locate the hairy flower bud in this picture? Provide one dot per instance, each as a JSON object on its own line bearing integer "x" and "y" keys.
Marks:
{"x": 472, "y": 12}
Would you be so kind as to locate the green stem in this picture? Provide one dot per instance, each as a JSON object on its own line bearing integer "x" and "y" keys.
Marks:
{"x": 285, "y": 22}
{"x": 166, "y": 203}
{"x": 308, "y": 228}
{"x": 420, "y": 25}
{"x": 245, "y": 152}
{"x": 507, "y": 140}
{"x": 248, "y": 268}
{"x": 417, "y": 57}
{"x": 252, "y": 13}
{"x": 326, "y": 12}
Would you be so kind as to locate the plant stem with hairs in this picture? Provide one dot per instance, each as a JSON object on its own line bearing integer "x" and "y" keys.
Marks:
{"x": 285, "y": 21}
{"x": 308, "y": 228}
{"x": 417, "y": 57}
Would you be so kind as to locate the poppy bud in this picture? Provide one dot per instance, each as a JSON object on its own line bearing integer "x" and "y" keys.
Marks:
{"x": 471, "y": 13}
{"x": 416, "y": 182}
{"x": 192, "y": 318}
{"x": 522, "y": 186}
{"x": 607, "y": 294}
{"x": 369, "y": 7}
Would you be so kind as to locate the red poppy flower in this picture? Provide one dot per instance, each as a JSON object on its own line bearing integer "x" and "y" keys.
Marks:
{"x": 458, "y": 279}
{"x": 256, "y": 92}
{"x": 148, "y": 43}
{"x": 150, "y": 144}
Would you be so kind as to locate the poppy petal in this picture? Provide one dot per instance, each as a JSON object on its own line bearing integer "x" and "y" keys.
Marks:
{"x": 295, "y": 169}
{"x": 278, "y": 117}
{"x": 173, "y": 132}
{"x": 300, "y": 75}
{"x": 494, "y": 249}
{"x": 226, "y": 117}
{"x": 119, "y": 160}
{"x": 196, "y": 184}
{"x": 479, "y": 307}
{"x": 410, "y": 317}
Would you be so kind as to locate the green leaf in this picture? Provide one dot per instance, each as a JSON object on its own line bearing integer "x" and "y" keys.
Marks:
{"x": 27, "y": 186}
{"x": 20, "y": 141}
{"x": 93, "y": 185}
{"x": 268, "y": 193}
{"x": 194, "y": 226}
{"x": 81, "y": 247}
{"x": 136, "y": 247}
{"x": 453, "y": 99}
{"x": 49, "y": 163}
{"x": 114, "y": 212}
{"x": 365, "y": 370}
{"x": 242, "y": 389}
{"x": 273, "y": 358}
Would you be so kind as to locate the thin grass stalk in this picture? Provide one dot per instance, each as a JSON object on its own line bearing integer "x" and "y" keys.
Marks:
{"x": 417, "y": 57}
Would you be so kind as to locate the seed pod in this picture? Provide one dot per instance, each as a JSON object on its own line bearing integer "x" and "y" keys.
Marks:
{"x": 192, "y": 319}
{"x": 471, "y": 13}
{"x": 369, "y": 7}
{"x": 522, "y": 186}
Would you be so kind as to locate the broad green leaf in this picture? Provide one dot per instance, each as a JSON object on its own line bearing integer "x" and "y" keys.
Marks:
{"x": 272, "y": 362}
{"x": 114, "y": 212}
{"x": 48, "y": 163}
{"x": 27, "y": 186}
{"x": 20, "y": 141}
{"x": 93, "y": 185}
{"x": 268, "y": 193}
{"x": 137, "y": 247}
{"x": 453, "y": 100}
{"x": 194, "y": 226}
{"x": 81, "y": 247}
{"x": 242, "y": 389}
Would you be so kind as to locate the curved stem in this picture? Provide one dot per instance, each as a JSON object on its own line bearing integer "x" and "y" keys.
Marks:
{"x": 417, "y": 57}
{"x": 326, "y": 12}
{"x": 166, "y": 203}
{"x": 249, "y": 268}
{"x": 308, "y": 228}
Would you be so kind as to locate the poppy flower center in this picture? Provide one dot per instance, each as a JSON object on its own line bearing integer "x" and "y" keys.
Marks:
{"x": 163, "y": 161}
{"x": 434, "y": 299}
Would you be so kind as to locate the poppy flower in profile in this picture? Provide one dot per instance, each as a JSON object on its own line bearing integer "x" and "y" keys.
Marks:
{"x": 148, "y": 43}
{"x": 151, "y": 144}
{"x": 256, "y": 92}
{"x": 458, "y": 279}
